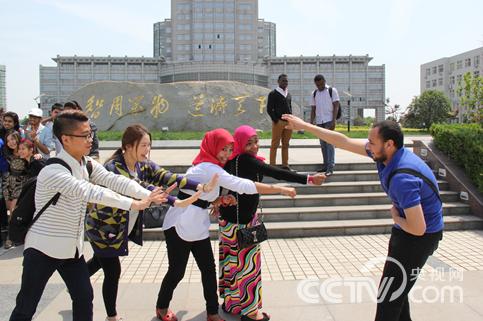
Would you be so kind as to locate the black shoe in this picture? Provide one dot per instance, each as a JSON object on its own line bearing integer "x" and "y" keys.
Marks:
{"x": 323, "y": 169}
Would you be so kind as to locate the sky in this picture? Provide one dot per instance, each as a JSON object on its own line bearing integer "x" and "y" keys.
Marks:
{"x": 401, "y": 34}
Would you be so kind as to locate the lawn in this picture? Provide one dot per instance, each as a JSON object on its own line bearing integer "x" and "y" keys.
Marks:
{"x": 356, "y": 132}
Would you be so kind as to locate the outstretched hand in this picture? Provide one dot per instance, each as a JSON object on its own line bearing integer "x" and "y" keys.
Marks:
{"x": 318, "y": 179}
{"x": 288, "y": 191}
{"x": 157, "y": 196}
{"x": 294, "y": 123}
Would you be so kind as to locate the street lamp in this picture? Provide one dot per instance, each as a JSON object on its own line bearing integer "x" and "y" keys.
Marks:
{"x": 348, "y": 109}
{"x": 37, "y": 99}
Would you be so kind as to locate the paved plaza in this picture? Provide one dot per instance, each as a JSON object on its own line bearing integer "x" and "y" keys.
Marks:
{"x": 288, "y": 266}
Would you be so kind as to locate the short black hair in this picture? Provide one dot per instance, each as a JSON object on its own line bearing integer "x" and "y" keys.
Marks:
{"x": 282, "y": 76}
{"x": 57, "y": 106}
{"x": 67, "y": 122}
{"x": 70, "y": 105}
{"x": 390, "y": 130}
{"x": 319, "y": 77}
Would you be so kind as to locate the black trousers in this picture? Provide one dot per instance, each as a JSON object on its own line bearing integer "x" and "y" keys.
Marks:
{"x": 3, "y": 220}
{"x": 37, "y": 270}
{"x": 178, "y": 254}
{"x": 411, "y": 252}
{"x": 112, "y": 272}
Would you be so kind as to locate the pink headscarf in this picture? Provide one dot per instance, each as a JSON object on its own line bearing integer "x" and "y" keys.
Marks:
{"x": 213, "y": 142}
{"x": 242, "y": 135}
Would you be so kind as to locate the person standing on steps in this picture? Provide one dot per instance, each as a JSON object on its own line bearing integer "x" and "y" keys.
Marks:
{"x": 279, "y": 102}
{"x": 325, "y": 107}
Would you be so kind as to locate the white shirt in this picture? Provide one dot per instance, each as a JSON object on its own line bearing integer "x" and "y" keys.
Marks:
{"x": 192, "y": 223}
{"x": 324, "y": 110}
{"x": 57, "y": 144}
{"x": 284, "y": 93}
{"x": 59, "y": 231}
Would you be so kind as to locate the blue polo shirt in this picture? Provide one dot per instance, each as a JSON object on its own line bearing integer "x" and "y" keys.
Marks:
{"x": 406, "y": 190}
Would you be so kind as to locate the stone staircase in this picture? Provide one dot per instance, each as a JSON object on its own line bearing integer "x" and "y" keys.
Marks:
{"x": 350, "y": 202}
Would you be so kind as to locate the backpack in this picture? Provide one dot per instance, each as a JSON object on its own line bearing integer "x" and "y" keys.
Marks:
{"x": 339, "y": 113}
{"x": 23, "y": 214}
{"x": 413, "y": 172}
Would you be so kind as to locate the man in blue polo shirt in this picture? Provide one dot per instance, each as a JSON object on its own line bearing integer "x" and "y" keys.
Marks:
{"x": 417, "y": 209}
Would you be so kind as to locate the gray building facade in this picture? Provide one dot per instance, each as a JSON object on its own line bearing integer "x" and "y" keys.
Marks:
{"x": 3, "y": 87}
{"x": 226, "y": 31}
{"x": 222, "y": 40}
{"x": 73, "y": 72}
{"x": 446, "y": 74}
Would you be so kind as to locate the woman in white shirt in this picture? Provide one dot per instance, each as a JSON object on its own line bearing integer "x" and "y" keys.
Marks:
{"x": 187, "y": 229}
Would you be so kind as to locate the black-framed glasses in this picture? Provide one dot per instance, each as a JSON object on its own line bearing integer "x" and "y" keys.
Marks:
{"x": 87, "y": 137}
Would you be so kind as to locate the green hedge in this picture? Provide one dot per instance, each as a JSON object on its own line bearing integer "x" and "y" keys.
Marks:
{"x": 464, "y": 144}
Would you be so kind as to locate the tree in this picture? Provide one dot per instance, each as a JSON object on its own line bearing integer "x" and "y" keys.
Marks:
{"x": 429, "y": 108}
{"x": 393, "y": 112}
{"x": 470, "y": 91}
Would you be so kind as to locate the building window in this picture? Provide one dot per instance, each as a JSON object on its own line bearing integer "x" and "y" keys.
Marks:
{"x": 428, "y": 84}
{"x": 435, "y": 82}
{"x": 428, "y": 71}
{"x": 435, "y": 70}
{"x": 476, "y": 73}
{"x": 451, "y": 67}
{"x": 440, "y": 82}
{"x": 440, "y": 68}
{"x": 477, "y": 61}
{"x": 468, "y": 62}
{"x": 459, "y": 64}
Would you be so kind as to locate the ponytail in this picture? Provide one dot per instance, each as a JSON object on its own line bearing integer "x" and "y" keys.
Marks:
{"x": 118, "y": 152}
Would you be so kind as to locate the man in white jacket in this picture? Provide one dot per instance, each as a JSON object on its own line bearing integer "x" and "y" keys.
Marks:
{"x": 55, "y": 241}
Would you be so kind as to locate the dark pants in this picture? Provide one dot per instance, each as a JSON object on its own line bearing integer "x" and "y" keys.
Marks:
{"x": 112, "y": 272}
{"x": 412, "y": 253}
{"x": 3, "y": 220}
{"x": 328, "y": 150}
{"x": 37, "y": 270}
{"x": 178, "y": 254}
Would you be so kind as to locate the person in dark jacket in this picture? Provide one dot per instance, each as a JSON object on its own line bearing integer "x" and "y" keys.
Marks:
{"x": 242, "y": 267}
{"x": 279, "y": 102}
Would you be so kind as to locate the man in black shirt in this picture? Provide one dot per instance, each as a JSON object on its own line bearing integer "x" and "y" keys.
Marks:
{"x": 280, "y": 102}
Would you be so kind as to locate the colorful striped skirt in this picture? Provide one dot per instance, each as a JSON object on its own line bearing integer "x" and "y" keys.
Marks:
{"x": 240, "y": 279}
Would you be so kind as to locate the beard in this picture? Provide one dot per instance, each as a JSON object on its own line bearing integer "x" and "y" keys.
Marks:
{"x": 382, "y": 156}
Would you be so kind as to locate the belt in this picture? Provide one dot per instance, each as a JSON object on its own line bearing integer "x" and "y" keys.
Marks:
{"x": 200, "y": 203}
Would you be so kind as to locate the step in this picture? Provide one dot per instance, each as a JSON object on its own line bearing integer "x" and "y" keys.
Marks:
{"x": 345, "y": 187}
{"x": 340, "y": 176}
{"x": 338, "y": 199}
{"x": 356, "y": 212}
{"x": 297, "y": 167}
{"x": 332, "y": 228}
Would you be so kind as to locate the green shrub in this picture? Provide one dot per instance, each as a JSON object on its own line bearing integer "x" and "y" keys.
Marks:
{"x": 464, "y": 144}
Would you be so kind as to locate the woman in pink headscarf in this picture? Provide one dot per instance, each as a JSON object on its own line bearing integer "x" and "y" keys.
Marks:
{"x": 187, "y": 229}
{"x": 240, "y": 269}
